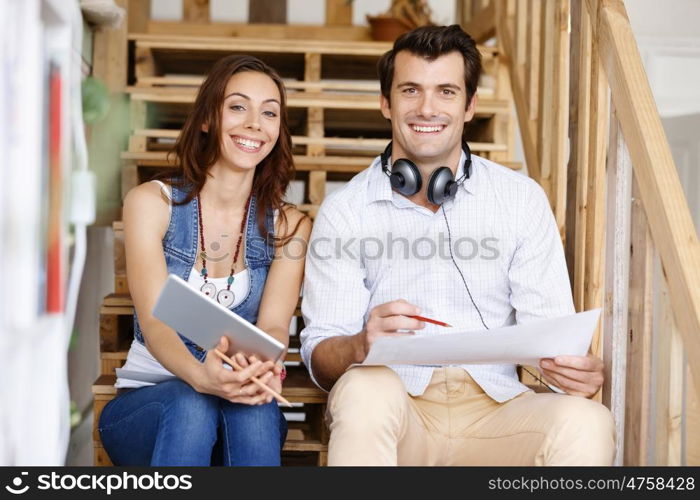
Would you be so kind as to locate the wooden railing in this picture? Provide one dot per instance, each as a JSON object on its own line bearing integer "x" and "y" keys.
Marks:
{"x": 577, "y": 77}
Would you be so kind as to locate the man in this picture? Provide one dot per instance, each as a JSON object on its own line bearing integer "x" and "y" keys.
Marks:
{"x": 478, "y": 253}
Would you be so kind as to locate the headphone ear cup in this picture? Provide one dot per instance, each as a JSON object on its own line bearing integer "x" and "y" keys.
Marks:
{"x": 405, "y": 177}
{"x": 441, "y": 186}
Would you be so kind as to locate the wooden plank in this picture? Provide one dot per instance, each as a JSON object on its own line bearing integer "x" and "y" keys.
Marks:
{"x": 137, "y": 143}
{"x": 121, "y": 285}
{"x": 554, "y": 110}
{"x": 560, "y": 116}
{"x": 572, "y": 167}
{"x": 662, "y": 194}
{"x": 595, "y": 193}
{"x": 265, "y": 31}
{"x": 692, "y": 422}
{"x": 267, "y": 11}
{"x": 338, "y": 13}
{"x": 520, "y": 37}
{"x": 639, "y": 348}
{"x": 532, "y": 67}
{"x": 144, "y": 64}
{"x": 119, "y": 251}
{"x": 109, "y": 333}
{"x": 138, "y": 14}
{"x": 317, "y": 187}
{"x": 669, "y": 382}
{"x": 137, "y": 114}
{"x": 583, "y": 129}
{"x": 482, "y": 26}
{"x": 370, "y": 144}
{"x": 109, "y": 57}
{"x": 546, "y": 100}
{"x": 527, "y": 127}
{"x": 617, "y": 243}
{"x": 325, "y": 100}
{"x": 196, "y": 11}
{"x": 165, "y": 42}
{"x": 359, "y": 86}
{"x": 113, "y": 300}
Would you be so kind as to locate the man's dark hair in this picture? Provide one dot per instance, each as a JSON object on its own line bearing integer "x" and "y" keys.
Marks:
{"x": 432, "y": 42}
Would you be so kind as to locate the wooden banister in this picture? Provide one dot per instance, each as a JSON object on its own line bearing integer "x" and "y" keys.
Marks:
{"x": 662, "y": 195}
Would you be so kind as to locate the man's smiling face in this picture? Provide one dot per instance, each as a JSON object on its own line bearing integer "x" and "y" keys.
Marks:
{"x": 428, "y": 106}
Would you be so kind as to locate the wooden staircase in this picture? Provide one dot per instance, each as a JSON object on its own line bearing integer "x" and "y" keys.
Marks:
{"x": 616, "y": 195}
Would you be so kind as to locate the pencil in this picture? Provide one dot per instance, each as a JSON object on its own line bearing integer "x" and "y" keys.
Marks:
{"x": 255, "y": 380}
{"x": 433, "y": 321}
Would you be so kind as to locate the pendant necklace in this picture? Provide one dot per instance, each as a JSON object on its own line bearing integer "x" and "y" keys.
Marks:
{"x": 225, "y": 296}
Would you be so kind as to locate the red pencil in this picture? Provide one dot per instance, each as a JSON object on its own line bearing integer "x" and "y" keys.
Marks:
{"x": 428, "y": 320}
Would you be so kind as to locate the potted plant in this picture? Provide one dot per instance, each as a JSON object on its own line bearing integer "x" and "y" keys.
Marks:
{"x": 402, "y": 16}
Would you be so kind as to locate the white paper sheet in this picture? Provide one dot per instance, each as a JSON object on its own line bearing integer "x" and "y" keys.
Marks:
{"x": 518, "y": 344}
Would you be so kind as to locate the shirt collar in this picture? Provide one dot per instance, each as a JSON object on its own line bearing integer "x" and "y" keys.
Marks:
{"x": 379, "y": 187}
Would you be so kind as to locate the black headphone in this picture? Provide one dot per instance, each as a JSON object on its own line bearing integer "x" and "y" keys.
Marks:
{"x": 405, "y": 177}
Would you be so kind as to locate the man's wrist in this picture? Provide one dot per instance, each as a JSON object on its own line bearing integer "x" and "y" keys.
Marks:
{"x": 359, "y": 349}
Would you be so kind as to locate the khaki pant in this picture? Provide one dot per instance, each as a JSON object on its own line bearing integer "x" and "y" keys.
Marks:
{"x": 374, "y": 421}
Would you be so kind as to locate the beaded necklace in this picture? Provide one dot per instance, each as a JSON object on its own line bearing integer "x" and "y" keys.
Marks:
{"x": 225, "y": 296}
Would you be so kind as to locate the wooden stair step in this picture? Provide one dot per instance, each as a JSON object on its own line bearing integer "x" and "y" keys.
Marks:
{"x": 368, "y": 86}
{"x": 303, "y": 163}
{"x": 297, "y": 387}
{"x": 263, "y": 45}
{"x": 375, "y": 146}
{"x": 117, "y": 303}
{"x": 325, "y": 100}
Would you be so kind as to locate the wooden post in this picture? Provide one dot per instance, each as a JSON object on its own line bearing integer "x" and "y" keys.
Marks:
{"x": 110, "y": 54}
{"x": 338, "y": 13}
{"x": 582, "y": 134}
{"x": 617, "y": 244}
{"x": 595, "y": 192}
{"x": 196, "y": 11}
{"x": 532, "y": 68}
{"x": 528, "y": 131}
{"x": 144, "y": 65}
{"x": 639, "y": 347}
{"x": 692, "y": 422}
{"x": 669, "y": 370}
{"x": 316, "y": 187}
{"x": 139, "y": 14}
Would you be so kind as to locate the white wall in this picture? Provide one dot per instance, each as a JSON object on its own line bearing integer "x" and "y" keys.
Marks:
{"x": 298, "y": 11}
{"x": 669, "y": 43}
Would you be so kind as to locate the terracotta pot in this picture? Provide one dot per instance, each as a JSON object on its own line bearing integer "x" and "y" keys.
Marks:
{"x": 387, "y": 28}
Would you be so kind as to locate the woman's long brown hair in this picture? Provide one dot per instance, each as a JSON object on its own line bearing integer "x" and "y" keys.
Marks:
{"x": 196, "y": 151}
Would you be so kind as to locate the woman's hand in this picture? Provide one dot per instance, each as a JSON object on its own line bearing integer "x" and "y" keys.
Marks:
{"x": 234, "y": 386}
{"x": 274, "y": 382}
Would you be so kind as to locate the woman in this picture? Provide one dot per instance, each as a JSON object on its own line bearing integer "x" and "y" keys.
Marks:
{"x": 222, "y": 226}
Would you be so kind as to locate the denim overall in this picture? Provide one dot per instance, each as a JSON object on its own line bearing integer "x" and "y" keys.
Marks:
{"x": 170, "y": 423}
{"x": 180, "y": 248}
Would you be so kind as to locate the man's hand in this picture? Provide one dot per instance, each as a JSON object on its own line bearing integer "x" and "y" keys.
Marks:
{"x": 577, "y": 375}
{"x": 387, "y": 319}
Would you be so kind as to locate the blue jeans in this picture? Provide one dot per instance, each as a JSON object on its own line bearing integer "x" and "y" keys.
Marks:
{"x": 172, "y": 424}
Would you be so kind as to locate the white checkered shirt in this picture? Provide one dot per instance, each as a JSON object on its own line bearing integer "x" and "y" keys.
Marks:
{"x": 370, "y": 245}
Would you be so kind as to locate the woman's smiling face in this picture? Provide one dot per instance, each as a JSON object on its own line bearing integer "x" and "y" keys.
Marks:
{"x": 250, "y": 119}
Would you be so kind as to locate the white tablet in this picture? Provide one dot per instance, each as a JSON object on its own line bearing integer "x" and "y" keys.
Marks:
{"x": 204, "y": 321}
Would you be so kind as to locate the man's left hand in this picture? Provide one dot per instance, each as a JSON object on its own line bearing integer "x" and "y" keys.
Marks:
{"x": 577, "y": 375}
